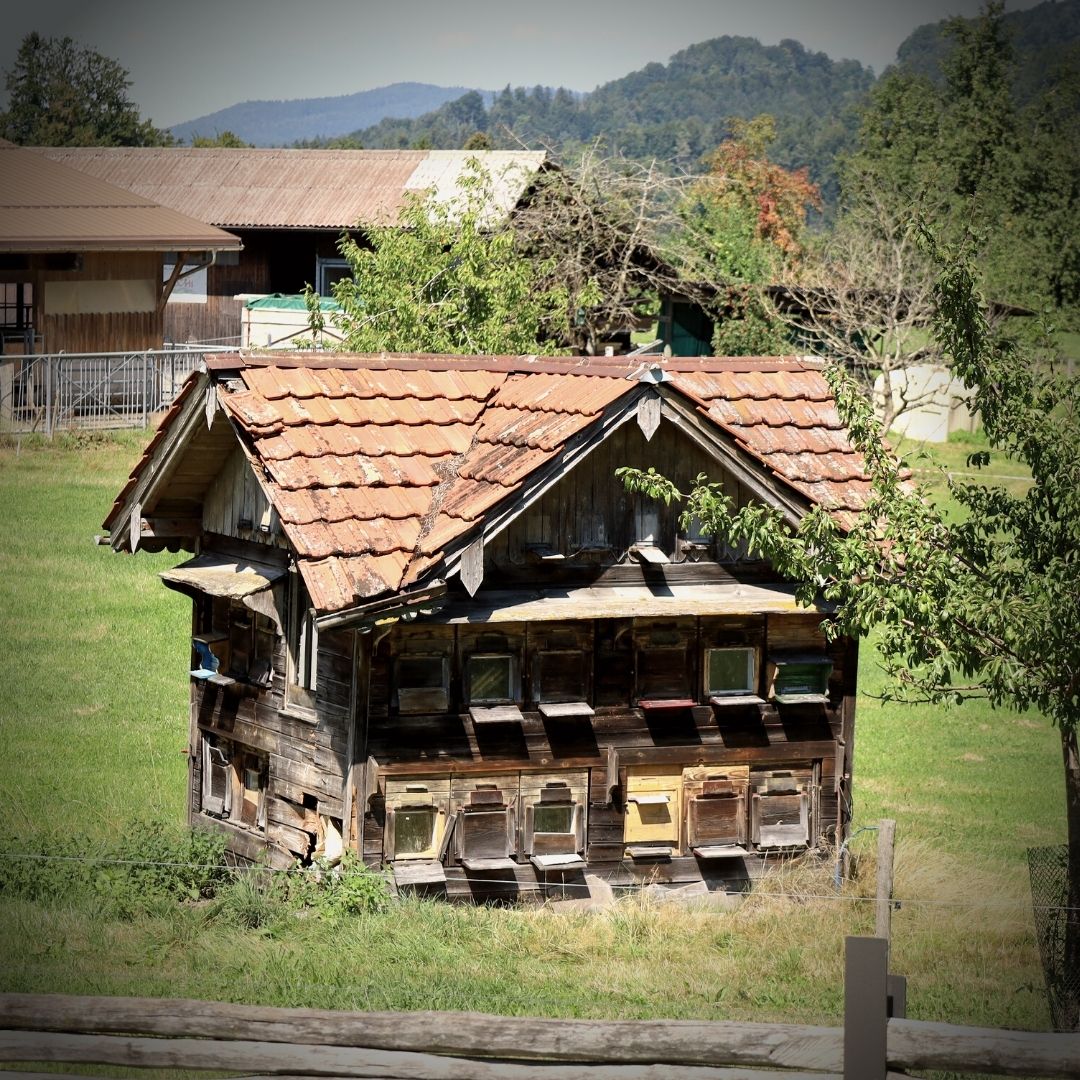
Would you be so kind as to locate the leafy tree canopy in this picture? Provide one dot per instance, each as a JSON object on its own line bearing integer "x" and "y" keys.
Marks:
{"x": 988, "y": 605}
{"x": 447, "y": 279}
{"x": 62, "y": 94}
{"x": 228, "y": 139}
{"x": 744, "y": 225}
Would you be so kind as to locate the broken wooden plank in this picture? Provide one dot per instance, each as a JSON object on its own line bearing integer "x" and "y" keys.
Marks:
{"x": 555, "y": 709}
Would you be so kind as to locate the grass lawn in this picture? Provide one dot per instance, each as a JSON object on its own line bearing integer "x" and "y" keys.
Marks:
{"x": 93, "y": 722}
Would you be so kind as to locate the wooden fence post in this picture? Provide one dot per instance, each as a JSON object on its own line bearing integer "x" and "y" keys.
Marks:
{"x": 866, "y": 966}
{"x": 883, "y": 913}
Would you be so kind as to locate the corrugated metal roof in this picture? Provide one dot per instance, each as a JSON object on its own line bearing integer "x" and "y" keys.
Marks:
{"x": 292, "y": 189}
{"x": 46, "y": 206}
{"x": 377, "y": 465}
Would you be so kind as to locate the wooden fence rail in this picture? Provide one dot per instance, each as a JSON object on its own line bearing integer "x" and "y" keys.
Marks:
{"x": 181, "y": 1034}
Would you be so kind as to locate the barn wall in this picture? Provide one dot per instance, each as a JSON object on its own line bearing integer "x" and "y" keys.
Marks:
{"x": 306, "y": 755}
{"x": 272, "y": 261}
{"x": 590, "y": 517}
{"x": 451, "y": 746}
{"x": 118, "y": 330}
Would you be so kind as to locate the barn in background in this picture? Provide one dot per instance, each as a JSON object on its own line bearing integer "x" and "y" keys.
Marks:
{"x": 289, "y": 207}
{"x": 429, "y": 622}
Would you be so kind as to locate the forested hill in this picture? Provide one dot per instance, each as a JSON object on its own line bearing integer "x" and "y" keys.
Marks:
{"x": 279, "y": 123}
{"x": 676, "y": 111}
{"x": 1045, "y": 40}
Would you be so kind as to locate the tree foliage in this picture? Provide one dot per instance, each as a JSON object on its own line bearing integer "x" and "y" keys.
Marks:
{"x": 227, "y": 139}
{"x": 963, "y": 153}
{"x": 448, "y": 278}
{"x": 62, "y": 94}
{"x": 987, "y": 605}
{"x": 744, "y": 224}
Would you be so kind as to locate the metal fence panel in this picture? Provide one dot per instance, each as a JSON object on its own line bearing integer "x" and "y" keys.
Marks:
{"x": 51, "y": 391}
{"x": 1049, "y": 870}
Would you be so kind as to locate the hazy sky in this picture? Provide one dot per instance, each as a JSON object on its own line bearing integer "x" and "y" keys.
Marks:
{"x": 188, "y": 58}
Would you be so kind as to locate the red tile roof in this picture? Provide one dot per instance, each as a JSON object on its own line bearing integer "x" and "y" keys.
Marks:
{"x": 377, "y": 466}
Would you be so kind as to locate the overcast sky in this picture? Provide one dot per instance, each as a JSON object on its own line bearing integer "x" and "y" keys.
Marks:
{"x": 191, "y": 57}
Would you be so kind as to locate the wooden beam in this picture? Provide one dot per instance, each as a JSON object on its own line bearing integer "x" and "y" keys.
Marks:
{"x": 919, "y": 1044}
{"x": 883, "y": 907}
{"x": 319, "y": 1060}
{"x": 633, "y": 1042}
{"x": 166, "y": 527}
{"x": 170, "y": 284}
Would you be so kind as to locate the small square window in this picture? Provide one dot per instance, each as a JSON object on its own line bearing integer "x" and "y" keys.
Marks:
{"x": 421, "y": 683}
{"x": 662, "y": 673}
{"x": 415, "y": 818}
{"x": 730, "y": 671}
{"x": 799, "y": 678}
{"x": 414, "y": 831}
{"x": 492, "y": 679}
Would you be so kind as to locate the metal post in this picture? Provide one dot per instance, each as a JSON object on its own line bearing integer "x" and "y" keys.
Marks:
{"x": 148, "y": 359}
{"x": 866, "y": 966}
{"x": 49, "y": 395}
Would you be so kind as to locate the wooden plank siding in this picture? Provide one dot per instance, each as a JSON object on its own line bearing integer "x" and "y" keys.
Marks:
{"x": 589, "y": 517}
{"x": 307, "y": 759}
{"x": 272, "y": 261}
{"x": 802, "y": 739}
{"x": 108, "y": 331}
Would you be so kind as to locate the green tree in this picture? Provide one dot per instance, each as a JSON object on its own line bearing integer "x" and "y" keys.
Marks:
{"x": 988, "y": 605}
{"x": 744, "y": 228}
{"x": 62, "y": 94}
{"x": 227, "y": 139}
{"x": 448, "y": 278}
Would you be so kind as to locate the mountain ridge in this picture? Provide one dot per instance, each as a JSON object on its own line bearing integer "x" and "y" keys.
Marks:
{"x": 281, "y": 122}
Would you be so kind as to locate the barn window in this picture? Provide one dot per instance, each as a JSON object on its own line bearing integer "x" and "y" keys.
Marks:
{"x": 493, "y": 687}
{"x": 234, "y": 782}
{"x": 799, "y": 678}
{"x": 663, "y": 675}
{"x": 780, "y": 808}
{"x": 555, "y": 827}
{"x": 486, "y": 829}
{"x": 561, "y": 682}
{"x": 415, "y": 819}
{"x": 422, "y": 683}
{"x": 251, "y": 645}
{"x": 716, "y": 811}
{"x": 493, "y": 678}
{"x": 303, "y": 649}
{"x": 730, "y": 673}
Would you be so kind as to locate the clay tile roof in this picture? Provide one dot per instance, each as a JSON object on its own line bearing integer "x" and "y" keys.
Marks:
{"x": 380, "y": 468}
{"x": 784, "y": 416}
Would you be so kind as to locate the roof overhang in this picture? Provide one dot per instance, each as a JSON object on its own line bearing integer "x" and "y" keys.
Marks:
{"x": 214, "y": 575}
{"x": 623, "y": 602}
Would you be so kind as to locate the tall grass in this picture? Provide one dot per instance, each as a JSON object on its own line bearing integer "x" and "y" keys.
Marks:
{"x": 93, "y": 724}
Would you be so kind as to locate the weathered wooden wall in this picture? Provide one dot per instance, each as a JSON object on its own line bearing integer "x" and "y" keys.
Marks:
{"x": 308, "y": 758}
{"x": 272, "y": 261}
{"x": 451, "y": 744}
{"x": 590, "y": 517}
{"x": 118, "y": 331}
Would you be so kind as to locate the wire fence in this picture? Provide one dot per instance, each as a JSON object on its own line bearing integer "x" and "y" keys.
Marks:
{"x": 49, "y": 392}
{"x": 1045, "y": 904}
{"x": 1049, "y": 870}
